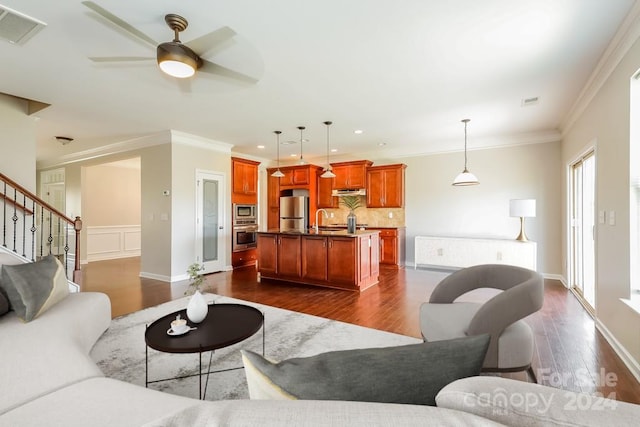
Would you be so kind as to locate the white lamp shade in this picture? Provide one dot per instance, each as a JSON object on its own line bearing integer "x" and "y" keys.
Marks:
{"x": 465, "y": 178}
{"x": 522, "y": 208}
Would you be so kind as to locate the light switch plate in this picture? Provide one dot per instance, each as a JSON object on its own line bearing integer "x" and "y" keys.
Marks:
{"x": 612, "y": 217}
{"x": 602, "y": 217}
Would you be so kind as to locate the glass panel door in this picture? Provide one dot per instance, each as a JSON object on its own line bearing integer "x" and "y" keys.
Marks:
{"x": 210, "y": 235}
{"x": 582, "y": 258}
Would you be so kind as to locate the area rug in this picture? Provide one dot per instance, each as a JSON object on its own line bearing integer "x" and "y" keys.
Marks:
{"x": 120, "y": 352}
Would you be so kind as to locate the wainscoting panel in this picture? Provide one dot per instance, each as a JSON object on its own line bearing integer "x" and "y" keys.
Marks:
{"x": 453, "y": 252}
{"x": 111, "y": 242}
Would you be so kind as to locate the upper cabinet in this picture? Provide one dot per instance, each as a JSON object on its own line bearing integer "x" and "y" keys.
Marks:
{"x": 385, "y": 186}
{"x": 296, "y": 175}
{"x": 245, "y": 180}
{"x": 325, "y": 187}
{"x": 350, "y": 175}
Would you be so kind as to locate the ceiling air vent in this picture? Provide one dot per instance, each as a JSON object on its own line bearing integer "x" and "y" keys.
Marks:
{"x": 16, "y": 27}
{"x": 530, "y": 101}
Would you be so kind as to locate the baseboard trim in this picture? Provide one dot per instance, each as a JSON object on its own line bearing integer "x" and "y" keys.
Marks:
{"x": 627, "y": 359}
{"x": 559, "y": 277}
{"x": 153, "y": 276}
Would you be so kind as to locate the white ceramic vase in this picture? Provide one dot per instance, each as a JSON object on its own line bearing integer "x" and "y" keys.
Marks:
{"x": 197, "y": 308}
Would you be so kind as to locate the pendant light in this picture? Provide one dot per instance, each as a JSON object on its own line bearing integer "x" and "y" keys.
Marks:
{"x": 328, "y": 173}
{"x": 277, "y": 173}
{"x": 465, "y": 177}
{"x": 301, "y": 161}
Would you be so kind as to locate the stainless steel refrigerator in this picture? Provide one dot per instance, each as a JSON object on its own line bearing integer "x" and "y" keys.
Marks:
{"x": 294, "y": 213}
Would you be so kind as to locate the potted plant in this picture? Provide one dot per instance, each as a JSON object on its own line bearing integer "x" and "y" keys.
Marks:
{"x": 352, "y": 203}
{"x": 197, "y": 308}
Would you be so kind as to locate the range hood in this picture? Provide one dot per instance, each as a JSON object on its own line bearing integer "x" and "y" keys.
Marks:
{"x": 349, "y": 192}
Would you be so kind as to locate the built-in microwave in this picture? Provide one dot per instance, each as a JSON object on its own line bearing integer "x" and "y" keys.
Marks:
{"x": 244, "y": 214}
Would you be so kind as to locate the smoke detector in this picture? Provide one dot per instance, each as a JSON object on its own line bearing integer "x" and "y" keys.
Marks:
{"x": 526, "y": 102}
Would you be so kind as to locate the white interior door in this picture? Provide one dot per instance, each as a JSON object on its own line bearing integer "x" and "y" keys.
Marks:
{"x": 583, "y": 228}
{"x": 210, "y": 231}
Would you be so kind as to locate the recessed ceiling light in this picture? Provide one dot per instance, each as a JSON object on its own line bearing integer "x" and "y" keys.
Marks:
{"x": 358, "y": 131}
{"x": 261, "y": 147}
{"x": 293, "y": 155}
{"x": 334, "y": 150}
{"x": 381, "y": 144}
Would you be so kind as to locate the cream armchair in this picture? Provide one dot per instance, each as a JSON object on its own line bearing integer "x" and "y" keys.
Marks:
{"x": 512, "y": 342}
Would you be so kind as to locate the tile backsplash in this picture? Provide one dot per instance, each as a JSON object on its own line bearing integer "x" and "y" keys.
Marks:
{"x": 373, "y": 217}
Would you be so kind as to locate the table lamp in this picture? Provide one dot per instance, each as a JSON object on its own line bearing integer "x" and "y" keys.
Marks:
{"x": 522, "y": 208}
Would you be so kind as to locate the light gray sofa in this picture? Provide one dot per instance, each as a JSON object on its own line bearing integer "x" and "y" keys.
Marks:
{"x": 48, "y": 379}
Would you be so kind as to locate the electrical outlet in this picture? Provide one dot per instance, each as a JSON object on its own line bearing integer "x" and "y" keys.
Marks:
{"x": 390, "y": 215}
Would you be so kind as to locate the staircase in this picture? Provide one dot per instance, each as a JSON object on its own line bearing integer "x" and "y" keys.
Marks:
{"x": 31, "y": 229}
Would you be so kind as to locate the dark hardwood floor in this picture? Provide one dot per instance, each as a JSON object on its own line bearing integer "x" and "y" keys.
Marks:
{"x": 570, "y": 353}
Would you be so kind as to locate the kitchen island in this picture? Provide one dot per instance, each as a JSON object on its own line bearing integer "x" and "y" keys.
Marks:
{"x": 335, "y": 259}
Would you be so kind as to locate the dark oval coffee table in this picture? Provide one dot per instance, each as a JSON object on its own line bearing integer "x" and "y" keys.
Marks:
{"x": 225, "y": 325}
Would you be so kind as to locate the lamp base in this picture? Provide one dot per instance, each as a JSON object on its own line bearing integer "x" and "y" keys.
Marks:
{"x": 522, "y": 237}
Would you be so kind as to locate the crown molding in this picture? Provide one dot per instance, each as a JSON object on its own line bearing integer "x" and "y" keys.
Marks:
{"x": 625, "y": 37}
{"x": 145, "y": 141}
{"x": 159, "y": 138}
{"x": 184, "y": 138}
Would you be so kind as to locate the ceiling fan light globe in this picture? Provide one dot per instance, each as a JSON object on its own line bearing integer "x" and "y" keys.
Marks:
{"x": 177, "y": 60}
{"x": 177, "y": 69}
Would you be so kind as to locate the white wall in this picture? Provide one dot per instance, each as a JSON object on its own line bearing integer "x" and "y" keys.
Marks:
{"x": 186, "y": 159}
{"x": 606, "y": 122}
{"x": 436, "y": 208}
{"x": 18, "y": 137}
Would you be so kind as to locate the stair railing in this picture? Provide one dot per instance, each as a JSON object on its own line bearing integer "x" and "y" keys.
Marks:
{"x": 33, "y": 228}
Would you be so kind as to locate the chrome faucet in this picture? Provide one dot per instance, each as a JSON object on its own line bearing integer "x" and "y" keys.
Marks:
{"x": 326, "y": 215}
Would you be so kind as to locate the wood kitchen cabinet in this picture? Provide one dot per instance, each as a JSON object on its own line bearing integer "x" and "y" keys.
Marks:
{"x": 301, "y": 177}
{"x": 385, "y": 186}
{"x": 392, "y": 243}
{"x": 325, "y": 188}
{"x": 314, "y": 258}
{"x": 245, "y": 180}
{"x": 297, "y": 175}
{"x": 336, "y": 261}
{"x": 350, "y": 175}
{"x": 267, "y": 253}
{"x": 273, "y": 200}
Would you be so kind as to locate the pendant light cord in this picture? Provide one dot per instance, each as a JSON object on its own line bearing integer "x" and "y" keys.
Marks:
{"x": 328, "y": 124}
{"x": 465, "y": 121}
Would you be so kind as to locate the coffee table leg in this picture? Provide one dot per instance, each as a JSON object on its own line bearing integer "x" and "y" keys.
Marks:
{"x": 206, "y": 384}
{"x": 146, "y": 363}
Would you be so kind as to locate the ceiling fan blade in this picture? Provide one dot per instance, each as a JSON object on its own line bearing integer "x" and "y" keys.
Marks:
{"x": 209, "y": 41}
{"x": 130, "y": 29}
{"x": 120, "y": 58}
{"x": 211, "y": 68}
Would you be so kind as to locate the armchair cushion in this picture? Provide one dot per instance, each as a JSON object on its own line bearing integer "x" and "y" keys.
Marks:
{"x": 411, "y": 374}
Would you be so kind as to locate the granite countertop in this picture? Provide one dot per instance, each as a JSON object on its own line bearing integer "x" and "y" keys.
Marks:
{"x": 321, "y": 232}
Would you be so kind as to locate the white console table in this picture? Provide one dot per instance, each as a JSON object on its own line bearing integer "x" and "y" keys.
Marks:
{"x": 459, "y": 252}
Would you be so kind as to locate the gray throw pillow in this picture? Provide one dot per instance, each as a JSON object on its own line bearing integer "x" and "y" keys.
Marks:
{"x": 411, "y": 374}
{"x": 35, "y": 287}
{"x": 4, "y": 304}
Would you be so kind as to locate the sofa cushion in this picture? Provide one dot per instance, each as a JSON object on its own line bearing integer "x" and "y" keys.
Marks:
{"x": 522, "y": 404}
{"x": 410, "y": 374}
{"x": 316, "y": 413}
{"x": 52, "y": 351}
{"x": 35, "y": 287}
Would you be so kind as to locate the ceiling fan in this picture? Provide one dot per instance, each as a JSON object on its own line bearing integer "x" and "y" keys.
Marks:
{"x": 175, "y": 58}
